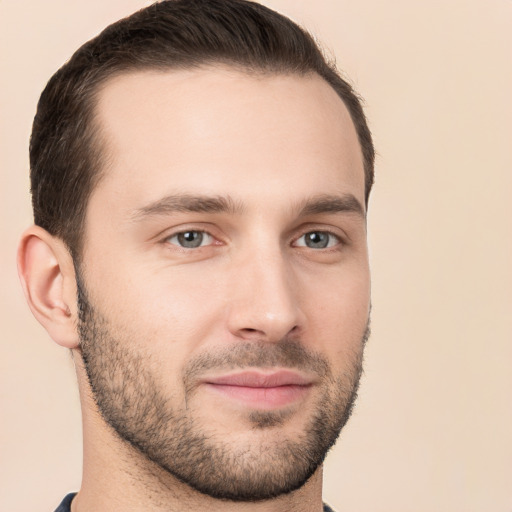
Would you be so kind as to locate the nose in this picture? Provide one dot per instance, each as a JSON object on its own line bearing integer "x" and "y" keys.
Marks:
{"x": 264, "y": 300}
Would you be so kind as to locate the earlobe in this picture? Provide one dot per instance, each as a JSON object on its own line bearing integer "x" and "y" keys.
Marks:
{"x": 47, "y": 276}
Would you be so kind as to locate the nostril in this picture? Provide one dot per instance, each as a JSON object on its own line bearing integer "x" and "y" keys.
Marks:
{"x": 249, "y": 330}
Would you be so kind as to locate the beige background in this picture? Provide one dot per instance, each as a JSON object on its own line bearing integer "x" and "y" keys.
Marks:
{"x": 432, "y": 429}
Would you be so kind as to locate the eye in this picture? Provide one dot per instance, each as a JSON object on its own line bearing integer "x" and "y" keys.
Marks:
{"x": 191, "y": 239}
{"x": 318, "y": 240}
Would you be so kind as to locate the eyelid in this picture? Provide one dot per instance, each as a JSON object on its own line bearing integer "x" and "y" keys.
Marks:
{"x": 204, "y": 233}
{"x": 339, "y": 240}
{"x": 329, "y": 229}
{"x": 184, "y": 228}
{"x": 165, "y": 235}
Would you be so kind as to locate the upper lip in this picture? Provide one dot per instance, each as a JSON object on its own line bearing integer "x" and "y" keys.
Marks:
{"x": 261, "y": 379}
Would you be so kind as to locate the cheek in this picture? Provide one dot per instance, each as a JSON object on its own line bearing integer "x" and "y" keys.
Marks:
{"x": 164, "y": 310}
{"x": 343, "y": 289}
{"x": 161, "y": 322}
{"x": 338, "y": 309}
{"x": 173, "y": 310}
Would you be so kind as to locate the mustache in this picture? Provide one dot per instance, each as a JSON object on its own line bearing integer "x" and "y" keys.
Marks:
{"x": 290, "y": 354}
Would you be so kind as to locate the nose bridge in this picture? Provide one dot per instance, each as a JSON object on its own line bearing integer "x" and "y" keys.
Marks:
{"x": 264, "y": 302}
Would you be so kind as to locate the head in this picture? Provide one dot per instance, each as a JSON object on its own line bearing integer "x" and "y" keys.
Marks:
{"x": 208, "y": 172}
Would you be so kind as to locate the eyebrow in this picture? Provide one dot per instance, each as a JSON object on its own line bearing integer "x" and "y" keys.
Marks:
{"x": 346, "y": 203}
{"x": 188, "y": 203}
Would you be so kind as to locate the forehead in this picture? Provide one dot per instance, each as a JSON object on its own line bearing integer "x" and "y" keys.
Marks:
{"x": 224, "y": 131}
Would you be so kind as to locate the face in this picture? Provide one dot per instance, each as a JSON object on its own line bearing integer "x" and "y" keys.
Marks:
{"x": 224, "y": 284}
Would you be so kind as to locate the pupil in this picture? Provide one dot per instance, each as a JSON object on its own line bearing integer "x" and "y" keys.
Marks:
{"x": 317, "y": 240}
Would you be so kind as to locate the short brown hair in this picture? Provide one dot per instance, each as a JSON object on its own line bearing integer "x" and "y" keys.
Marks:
{"x": 65, "y": 146}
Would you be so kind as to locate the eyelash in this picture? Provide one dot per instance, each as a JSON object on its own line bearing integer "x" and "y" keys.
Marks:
{"x": 338, "y": 241}
{"x": 332, "y": 236}
{"x": 200, "y": 231}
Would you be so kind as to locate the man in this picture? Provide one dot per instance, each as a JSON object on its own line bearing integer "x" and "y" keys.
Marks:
{"x": 200, "y": 178}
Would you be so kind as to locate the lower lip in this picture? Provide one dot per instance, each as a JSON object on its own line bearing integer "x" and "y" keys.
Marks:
{"x": 262, "y": 398}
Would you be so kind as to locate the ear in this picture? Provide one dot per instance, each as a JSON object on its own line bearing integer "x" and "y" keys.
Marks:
{"x": 48, "y": 279}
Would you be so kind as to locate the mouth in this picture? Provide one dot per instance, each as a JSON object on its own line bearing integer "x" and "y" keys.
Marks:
{"x": 262, "y": 390}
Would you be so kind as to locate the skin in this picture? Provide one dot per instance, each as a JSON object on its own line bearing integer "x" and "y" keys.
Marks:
{"x": 272, "y": 145}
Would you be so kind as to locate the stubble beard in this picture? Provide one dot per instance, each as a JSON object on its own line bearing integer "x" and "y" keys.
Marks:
{"x": 140, "y": 413}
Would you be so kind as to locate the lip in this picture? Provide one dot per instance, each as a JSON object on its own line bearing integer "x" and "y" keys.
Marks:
{"x": 260, "y": 379}
{"x": 262, "y": 390}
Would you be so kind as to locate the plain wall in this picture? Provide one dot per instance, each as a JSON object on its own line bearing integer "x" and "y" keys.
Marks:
{"x": 432, "y": 428}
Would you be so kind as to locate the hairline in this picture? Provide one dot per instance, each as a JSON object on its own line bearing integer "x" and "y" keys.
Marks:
{"x": 99, "y": 140}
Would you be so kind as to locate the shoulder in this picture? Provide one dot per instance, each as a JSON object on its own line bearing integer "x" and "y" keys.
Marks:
{"x": 326, "y": 508}
{"x": 65, "y": 505}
